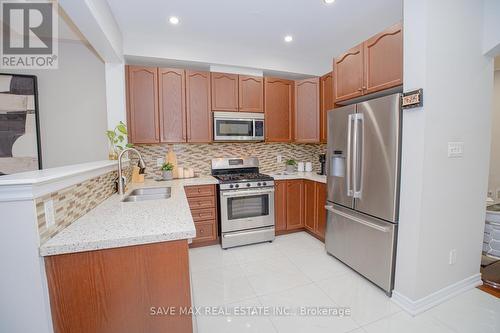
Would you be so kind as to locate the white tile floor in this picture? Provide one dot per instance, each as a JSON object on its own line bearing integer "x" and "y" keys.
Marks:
{"x": 295, "y": 271}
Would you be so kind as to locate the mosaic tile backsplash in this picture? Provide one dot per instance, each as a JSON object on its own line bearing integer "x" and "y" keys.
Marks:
{"x": 198, "y": 156}
{"x": 75, "y": 201}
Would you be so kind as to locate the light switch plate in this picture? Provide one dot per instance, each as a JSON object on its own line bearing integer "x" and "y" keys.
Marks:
{"x": 455, "y": 149}
{"x": 48, "y": 207}
{"x": 279, "y": 158}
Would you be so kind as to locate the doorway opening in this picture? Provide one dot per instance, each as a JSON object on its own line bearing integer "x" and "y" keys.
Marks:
{"x": 490, "y": 261}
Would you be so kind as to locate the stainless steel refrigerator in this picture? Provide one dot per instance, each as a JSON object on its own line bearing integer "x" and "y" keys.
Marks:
{"x": 363, "y": 166}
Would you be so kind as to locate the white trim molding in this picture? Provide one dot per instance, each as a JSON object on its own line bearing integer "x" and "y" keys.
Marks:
{"x": 416, "y": 307}
{"x": 34, "y": 184}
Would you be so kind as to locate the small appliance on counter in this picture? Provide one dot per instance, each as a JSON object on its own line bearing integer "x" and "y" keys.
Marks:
{"x": 246, "y": 201}
{"x": 322, "y": 161}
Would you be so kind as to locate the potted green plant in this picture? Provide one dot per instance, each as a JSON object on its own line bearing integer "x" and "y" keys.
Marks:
{"x": 116, "y": 138}
{"x": 290, "y": 165}
{"x": 167, "y": 171}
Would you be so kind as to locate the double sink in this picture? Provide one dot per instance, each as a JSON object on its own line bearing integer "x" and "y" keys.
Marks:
{"x": 148, "y": 193}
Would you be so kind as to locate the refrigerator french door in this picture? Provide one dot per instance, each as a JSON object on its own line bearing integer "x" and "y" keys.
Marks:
{"x": 363, "y": 165}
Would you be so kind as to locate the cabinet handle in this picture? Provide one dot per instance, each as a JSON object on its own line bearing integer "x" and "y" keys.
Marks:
{"x": 364, "y": 88}
{"x": 360, "y": 89}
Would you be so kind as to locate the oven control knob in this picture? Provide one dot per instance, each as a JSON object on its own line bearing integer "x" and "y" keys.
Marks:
{"x": 248, "y": 185}
{"x": 236, "y": 185}
{"x": 259, "y": 184}
{"x": 231, "y": 186}
{"x": 264, "y": 183}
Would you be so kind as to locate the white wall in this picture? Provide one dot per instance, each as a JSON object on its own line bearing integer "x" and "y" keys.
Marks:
{"x": 491, "y": 27}
{"x": 115, "y": 93}
{"x": 442, "y": 199}
{"x": 494, "y": 179}
{"x": 23, "y": 287}
{"x": 72, "y": 106}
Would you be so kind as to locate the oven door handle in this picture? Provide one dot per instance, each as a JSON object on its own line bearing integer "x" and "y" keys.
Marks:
{"x": 246, "y": 192}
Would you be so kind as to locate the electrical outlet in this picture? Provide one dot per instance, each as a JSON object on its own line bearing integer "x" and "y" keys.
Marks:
{"x": 455, "y": 149}
{"x": 159, "y": 161}
{"x": 453, "y": 257}
{"x": 48, "y": 207}
{"x": 498, "y": 193}
{"x": 279, "y": 158}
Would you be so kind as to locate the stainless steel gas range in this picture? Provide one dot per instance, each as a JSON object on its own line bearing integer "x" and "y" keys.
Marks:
{"x": 246, "y": 200}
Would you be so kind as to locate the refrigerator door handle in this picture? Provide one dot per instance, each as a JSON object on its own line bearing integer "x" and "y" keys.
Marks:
{"x": 348, "y": 157}
{"x": 358, "y": 160}
{"x": 355, "y": 219}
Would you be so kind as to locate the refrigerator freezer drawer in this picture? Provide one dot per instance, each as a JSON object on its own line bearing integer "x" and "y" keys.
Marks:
{"x": 364, "y": 243}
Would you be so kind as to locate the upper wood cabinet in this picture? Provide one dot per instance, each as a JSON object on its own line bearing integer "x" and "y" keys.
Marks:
{"x": 279, "y": 109}
{"x": 373, "y": 65}
{"x": 198, "y": 110}
{"x": 307, "y": 110}
{"x": 142, "y": 104}
{"x": 280, "y": 208}
{"x": 172, "y": 91}
{"x": 384, "y": 59}
{"x": 295, "y": 204}
{"x": 250, "y": 93}
{"x": 348, "y": 73}
{"x": 224, "y": 92}
{"x": 326, "y": 103}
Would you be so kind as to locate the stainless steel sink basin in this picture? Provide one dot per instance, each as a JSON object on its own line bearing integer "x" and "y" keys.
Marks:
{"x": 148, "y": 193}
{"x": 151, "y": 190}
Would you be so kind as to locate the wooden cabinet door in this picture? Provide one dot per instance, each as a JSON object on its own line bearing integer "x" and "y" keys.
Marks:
{"x": 172, "y": 93}
{"x": 251, "y": 91}
{"x": 294, "y": 204}
{"x": 326, "y": 103}
{"x": 310, "y": 205}
{"x": 348, "y": 74}
{"x": 224, "y": 92}
{"x": 279, "y": 108}
{"x": 198, "y": 110}
{"x": 384, "y": 60}
{"x": 142, "y": 104}
{"x": 320, "y": 209}
{"x": 280, "y": 191}
{"x": 307, "y": 110}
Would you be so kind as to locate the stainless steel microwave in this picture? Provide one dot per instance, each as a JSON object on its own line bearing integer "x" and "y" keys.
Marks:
{"x": 238, "y": 126}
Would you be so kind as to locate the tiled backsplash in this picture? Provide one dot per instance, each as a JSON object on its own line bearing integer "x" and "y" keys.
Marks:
{"x": 198, "y": 156}
{"x": 75, "y": 201}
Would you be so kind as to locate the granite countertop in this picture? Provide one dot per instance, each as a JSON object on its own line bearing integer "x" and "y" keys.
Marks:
{"x": 281, "y": 175}
{"x": 117, "y": 224}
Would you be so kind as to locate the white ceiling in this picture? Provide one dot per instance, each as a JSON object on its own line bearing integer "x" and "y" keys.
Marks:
{"x": 250, "y": 33}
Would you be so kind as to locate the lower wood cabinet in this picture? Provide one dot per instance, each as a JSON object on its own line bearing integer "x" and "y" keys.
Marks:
{"x": 314, "y": 208}
{"x": 114, "y": 290}
{"x": 300, "y": 204}
{"x": 289, "y": 204}
{"x": 203, "y": 204}
{"x": 280, "y": 205}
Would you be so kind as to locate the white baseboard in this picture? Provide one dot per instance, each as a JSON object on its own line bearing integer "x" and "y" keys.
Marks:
{"x": 438, "y": 297}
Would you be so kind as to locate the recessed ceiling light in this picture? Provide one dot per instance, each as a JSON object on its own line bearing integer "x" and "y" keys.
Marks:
{"x": 329, "y": 1}
{"x": 173, "y": 20}
{"x": 288, "y": 38}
